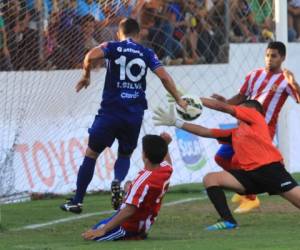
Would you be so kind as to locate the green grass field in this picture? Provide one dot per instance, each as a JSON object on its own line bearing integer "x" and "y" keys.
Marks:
{"x": 276, "y": 226}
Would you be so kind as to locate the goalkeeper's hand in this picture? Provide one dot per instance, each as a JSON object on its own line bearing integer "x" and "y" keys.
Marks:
{"x": 167, "y": 117}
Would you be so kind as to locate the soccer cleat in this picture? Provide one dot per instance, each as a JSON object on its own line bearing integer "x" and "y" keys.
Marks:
{"x": 247, "y": 205}
{"x": 222, "y": 225}
{"x": 236, "y": 198}
{"x": 116, "y": 194}
{"x": 69, "y": 206}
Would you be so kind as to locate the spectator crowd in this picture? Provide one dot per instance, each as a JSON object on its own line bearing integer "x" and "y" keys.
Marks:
{"x": 56, "y": 34}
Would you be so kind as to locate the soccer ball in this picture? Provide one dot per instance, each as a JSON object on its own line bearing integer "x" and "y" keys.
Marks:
{"x": 194, "y": 108}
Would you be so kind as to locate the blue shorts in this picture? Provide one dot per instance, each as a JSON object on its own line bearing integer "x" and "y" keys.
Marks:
{"x": 117, "y": 233}
{"x": 108, "y": 127}
{"x": 225, "y": 151}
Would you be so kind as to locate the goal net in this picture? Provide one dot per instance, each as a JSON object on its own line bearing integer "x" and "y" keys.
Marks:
{"x": 207, "y": 46}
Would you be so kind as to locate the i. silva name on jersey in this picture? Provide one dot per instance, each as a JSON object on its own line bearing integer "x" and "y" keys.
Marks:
{"x": 130, "y": 86}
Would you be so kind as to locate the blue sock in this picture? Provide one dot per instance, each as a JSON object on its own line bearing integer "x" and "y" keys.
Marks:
{"x": 84, "y": 177}
{"x": 121, "y": 167}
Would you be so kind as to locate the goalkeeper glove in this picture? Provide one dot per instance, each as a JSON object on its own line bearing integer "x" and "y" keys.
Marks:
{"x": 167, "y": 117}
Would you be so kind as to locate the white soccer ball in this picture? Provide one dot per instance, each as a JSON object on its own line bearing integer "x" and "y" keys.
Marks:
{"x": 194, "y": 108}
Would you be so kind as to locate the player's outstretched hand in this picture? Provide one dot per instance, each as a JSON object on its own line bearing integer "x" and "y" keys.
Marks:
{"x": 167, "y": 137}
{"x": 219, "y": 97}
{"x": 165, "y": 117}
{"x": 91, "y": 234}
{"x": 83, "y": 83}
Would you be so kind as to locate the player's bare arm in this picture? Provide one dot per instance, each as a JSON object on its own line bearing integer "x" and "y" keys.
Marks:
{"x": 235, "y": 100}
{"x": 170, "y": 86}
{"x": 289, "y": 76}
{"x": 93, "y": 56}
{"x": 198, "y": 130}
{"x": 168, "y": 140}
{"x": 218, "y": 105}
{"x": 117, "y": 220}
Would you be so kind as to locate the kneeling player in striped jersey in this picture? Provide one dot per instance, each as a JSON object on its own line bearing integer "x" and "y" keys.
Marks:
{"x": 260, "y": 167}
{"x": 143, "y": 200}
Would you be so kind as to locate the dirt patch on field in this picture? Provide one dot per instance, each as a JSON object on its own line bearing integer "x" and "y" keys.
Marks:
{"x": 276, "y": 205}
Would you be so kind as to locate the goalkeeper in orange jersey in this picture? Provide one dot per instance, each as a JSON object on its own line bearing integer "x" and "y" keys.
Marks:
{"x": 271, "y": 87}
{"x": 260, "y": 168}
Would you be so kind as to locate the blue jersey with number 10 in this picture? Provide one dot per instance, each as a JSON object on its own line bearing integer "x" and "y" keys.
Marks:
{"x": 125, "y": 81}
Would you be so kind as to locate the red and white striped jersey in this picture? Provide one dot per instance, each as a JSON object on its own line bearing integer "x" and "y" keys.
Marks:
{"x": 146, "y": 193}
{"x": 271, "y": 90}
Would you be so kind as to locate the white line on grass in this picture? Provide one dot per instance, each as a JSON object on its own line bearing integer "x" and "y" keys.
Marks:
{"x": 79, "y": 217}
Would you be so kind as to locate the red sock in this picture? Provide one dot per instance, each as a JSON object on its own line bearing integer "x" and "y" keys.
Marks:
{"x": 223, "y": 163}
{"x": 251, "y": 197}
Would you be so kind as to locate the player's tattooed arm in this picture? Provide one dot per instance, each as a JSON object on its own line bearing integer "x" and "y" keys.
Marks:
{"x": 170, "y": 86}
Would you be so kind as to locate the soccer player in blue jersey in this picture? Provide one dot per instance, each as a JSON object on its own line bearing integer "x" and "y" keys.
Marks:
{"x": 122, "y": 108}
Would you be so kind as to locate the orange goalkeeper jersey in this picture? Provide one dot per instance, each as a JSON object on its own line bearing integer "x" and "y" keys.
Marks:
{"x": 251, "y": 140}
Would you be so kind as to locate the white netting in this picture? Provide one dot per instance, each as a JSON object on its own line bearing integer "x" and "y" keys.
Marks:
{"x": 44, "y": 122}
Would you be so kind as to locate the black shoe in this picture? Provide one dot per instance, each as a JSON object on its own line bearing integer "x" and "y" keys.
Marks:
{"x": 116, "y": 194}
{"x": 70, "y": 206}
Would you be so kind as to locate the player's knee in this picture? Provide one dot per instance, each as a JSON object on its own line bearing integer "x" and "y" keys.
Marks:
{"x": 125, "y": 153}
{"x": 122, "y": 155}
{"x": 94, "y": 147}
{"x": 210, "y": 180}
{"x": 217, "y": 159}
{"x": 91, "y": 153}
{"x": 222, "y": 162}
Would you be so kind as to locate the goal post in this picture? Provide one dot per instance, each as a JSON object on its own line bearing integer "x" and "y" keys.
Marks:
{"x": 281, "y": 24}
